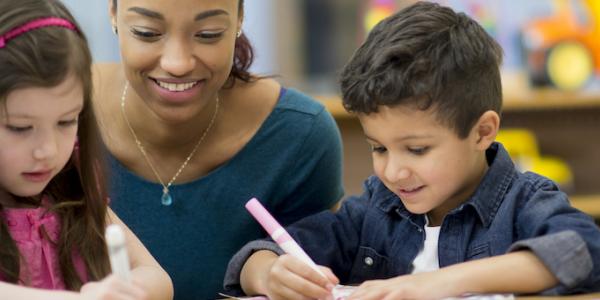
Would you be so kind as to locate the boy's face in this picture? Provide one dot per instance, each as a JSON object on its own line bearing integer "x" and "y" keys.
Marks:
{"x": 38, "y": 128}
{"x": 422, "y": 161}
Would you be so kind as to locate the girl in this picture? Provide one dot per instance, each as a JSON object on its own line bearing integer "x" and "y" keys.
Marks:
{"x": 52, "y": 204}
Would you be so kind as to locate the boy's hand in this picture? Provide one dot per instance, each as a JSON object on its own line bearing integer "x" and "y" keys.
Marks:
{"x": 290, "y": 278}
{"x": 113, "y": 288}
{"x": 430, "y": 285}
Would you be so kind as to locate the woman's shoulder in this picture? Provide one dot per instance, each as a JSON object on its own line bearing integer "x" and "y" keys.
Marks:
{"x": 296, "y": 100}
{"x": 260, "y": 90}
{"x": 291, "y": 99}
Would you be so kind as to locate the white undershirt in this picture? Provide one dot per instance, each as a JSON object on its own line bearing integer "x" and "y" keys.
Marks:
{"x": 427, "y": 260}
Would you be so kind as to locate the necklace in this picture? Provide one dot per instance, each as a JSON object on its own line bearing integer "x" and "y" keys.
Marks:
{"x": 166, "y": 198}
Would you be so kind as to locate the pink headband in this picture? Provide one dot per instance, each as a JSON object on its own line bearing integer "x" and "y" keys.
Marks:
{"x": 35, "y": 24}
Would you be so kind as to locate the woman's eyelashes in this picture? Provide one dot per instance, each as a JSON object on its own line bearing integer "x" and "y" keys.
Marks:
{"x": 152, "y": 35}
{"x": 145, "y": 34}
{"x": 210, "y": 35}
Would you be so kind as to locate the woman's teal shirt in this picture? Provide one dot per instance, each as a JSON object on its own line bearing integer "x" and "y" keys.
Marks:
{"x": 293, "y": 165}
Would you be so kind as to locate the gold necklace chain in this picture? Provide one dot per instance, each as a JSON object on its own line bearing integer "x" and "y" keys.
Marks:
{"x": 166, "y": 198}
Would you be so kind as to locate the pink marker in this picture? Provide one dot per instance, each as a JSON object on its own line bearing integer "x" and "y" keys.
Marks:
{"x": 278, "y": 234}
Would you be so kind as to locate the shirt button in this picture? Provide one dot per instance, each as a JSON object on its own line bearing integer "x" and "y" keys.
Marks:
{"x": 420, "y": 230}
{"x": 368, "y": 261}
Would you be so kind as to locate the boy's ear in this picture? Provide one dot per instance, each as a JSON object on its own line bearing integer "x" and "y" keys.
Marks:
{"x": 486, "y": 129}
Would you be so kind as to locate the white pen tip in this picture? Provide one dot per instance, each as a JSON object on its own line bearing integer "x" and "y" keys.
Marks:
{"x": 114, "y": 235}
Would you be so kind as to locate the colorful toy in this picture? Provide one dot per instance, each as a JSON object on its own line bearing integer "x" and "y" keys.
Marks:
{"x": 563, "y": 49}
{"x": 377, "y": 11}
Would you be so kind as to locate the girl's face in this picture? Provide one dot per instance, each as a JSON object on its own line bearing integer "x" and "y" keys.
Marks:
{"x": 38, "y": 129}
{"x": 177, "y": 54}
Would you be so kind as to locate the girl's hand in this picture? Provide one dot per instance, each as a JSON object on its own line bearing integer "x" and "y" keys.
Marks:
{"x": 430, "y": 285}
{"x": 290, "y": 278}
{"x": 113, "y": 288}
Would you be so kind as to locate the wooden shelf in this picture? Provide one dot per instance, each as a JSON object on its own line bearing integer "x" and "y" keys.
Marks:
{"x": 549, "y": 99}
{"x": 334, "y": 106}
{"x": 532, "y": 100}
{"x": 589, "y": 204}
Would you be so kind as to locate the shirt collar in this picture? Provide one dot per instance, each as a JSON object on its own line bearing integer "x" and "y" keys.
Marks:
{"x": 491, "y": 190}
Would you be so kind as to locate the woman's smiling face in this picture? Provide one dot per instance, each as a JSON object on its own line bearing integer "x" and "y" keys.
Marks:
{"x": 177, "y": 54}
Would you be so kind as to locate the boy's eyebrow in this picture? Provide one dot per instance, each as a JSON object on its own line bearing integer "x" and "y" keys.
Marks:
{"x": 368, "y": 138}
{"x": 156, "y": 15}
{"x": 414, "y": 137}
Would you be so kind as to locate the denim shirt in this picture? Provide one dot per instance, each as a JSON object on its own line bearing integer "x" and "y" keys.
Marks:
{"x": 374, "y": 236}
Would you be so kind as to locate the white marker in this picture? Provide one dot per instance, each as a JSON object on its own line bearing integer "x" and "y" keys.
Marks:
{"x": 117, "y": 252}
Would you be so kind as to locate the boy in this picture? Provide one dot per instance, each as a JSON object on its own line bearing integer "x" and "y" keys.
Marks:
{"x": 447, "y": 213}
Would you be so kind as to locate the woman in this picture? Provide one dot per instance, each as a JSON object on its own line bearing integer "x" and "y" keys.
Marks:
{"x": 192, "y": 136}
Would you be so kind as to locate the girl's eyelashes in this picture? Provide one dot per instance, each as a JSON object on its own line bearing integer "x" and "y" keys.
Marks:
{"x": 18, "y": 129}
{"x": 23, "y": 129}
{"x": 68, "y": 123}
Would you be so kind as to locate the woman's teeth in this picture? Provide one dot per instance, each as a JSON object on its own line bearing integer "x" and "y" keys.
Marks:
{"x": 176, "y": 87}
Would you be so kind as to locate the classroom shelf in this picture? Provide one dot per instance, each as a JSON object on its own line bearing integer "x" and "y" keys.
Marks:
{"x": 529, "y": 100}
{"x": 549, "y": 99}
{"x": 589, "y": 204}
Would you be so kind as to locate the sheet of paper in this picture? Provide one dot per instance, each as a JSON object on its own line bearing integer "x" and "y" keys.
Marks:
{"x": 225, "y": 296}
{"x": 484, "y": 297}
{"x": 343, "y": 291}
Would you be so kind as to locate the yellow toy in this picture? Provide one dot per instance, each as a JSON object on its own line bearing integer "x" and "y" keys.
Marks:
{"x": 522, "y": 146}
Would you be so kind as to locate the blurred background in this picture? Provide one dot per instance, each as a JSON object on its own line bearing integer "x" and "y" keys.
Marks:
{"x": 551, "y": 73}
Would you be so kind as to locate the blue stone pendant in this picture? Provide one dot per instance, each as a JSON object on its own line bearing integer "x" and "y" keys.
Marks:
{"x": 166, "y": 199}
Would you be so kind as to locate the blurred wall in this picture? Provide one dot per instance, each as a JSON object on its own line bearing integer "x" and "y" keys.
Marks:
{"x": 92, "y": 15}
